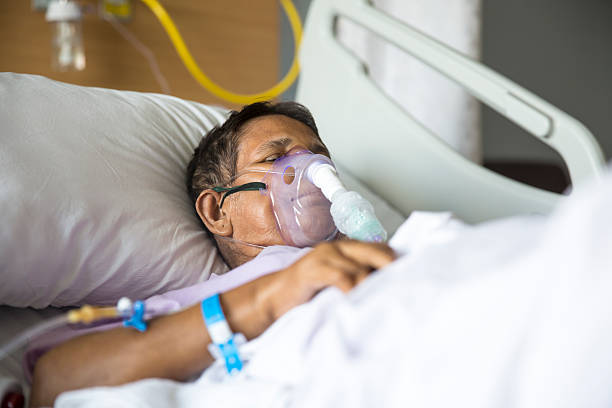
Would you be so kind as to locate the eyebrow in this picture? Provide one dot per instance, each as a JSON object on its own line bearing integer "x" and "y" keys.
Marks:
{"x": 282, "y": 143}
{"x": 272, "y": 145}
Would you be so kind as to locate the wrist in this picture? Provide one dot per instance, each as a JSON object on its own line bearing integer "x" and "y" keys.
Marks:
{"x": 248, "y": 308}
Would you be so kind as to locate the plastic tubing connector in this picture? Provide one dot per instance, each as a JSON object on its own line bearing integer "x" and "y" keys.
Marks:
{"x": 324, "y": 176}
{"x": 88, "y": 314}
{"x": 353, "y": 215}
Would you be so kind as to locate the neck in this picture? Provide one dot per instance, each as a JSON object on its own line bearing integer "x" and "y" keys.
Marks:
{"x": 236, "y": 252}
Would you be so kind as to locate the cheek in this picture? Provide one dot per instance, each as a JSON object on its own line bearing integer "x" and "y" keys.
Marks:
{"x": 254, "y": 219}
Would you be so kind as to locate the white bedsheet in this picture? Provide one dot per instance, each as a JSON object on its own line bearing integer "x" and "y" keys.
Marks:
{"x": 516, "y": 312}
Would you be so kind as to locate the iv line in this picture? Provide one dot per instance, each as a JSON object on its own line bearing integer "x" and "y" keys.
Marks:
{"x": 86, "y": 314}
{"x": 206, "y": 82}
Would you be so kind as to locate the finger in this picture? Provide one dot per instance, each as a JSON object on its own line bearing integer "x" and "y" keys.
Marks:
{"x": 374, "y": 255}
{"x": 332, "y": 276}
{"x": 341, "y": 281}
{"x": 337, "y": 259}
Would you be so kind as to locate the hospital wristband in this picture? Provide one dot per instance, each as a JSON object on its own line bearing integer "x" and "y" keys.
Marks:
{"x": 220, "y": 333}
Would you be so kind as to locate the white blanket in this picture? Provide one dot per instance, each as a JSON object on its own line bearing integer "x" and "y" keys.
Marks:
{"x": 516, "y": 312}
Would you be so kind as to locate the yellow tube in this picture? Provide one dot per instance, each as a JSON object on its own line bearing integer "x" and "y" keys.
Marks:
{"x": 211, "y": 86}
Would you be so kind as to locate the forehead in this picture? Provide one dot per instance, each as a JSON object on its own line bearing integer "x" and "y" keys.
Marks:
{"x": 262, "y": 130}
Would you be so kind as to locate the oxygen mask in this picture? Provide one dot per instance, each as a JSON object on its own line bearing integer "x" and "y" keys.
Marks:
{"x": 302, "y": 186}
{"x": 301, "y": 210}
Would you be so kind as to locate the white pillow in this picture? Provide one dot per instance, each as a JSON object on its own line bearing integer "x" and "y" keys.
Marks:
{"x": 92, "y": 193}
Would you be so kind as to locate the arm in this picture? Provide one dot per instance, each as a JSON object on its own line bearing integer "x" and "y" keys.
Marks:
{"x": 175, "y": 346}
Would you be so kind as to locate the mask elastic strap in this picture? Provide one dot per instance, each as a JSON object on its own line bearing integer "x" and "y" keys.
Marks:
{"x": 240, "y": 242}
{"x": 254, "y": 186}
{"x": 260, "y": 171}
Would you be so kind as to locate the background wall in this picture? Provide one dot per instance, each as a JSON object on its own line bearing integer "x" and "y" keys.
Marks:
{"x": 562, "y": 51}
{"x": 235, "y": 42}
{"x": 559, "y": 49}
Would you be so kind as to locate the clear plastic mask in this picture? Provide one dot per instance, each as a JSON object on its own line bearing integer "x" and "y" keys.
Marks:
{"x": 301, "y": 211}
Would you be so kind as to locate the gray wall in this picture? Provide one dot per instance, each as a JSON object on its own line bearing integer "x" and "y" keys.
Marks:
{"x": 559, "y": 49}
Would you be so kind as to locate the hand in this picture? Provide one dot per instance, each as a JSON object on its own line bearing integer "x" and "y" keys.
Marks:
{"x": 342, "y": 264}
{"x": 254, "y": 306}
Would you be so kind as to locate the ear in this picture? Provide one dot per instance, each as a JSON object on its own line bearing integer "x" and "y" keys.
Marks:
{"x": 216, "y": 219}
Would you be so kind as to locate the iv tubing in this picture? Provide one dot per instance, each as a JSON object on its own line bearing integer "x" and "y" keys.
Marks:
{"x": 206, "y": 82}
{"x": 35, "y": 331}
{"x": 86, "y": 314}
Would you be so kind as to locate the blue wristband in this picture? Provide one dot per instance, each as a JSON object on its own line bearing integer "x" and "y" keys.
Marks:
{"x": 220, "y": 333}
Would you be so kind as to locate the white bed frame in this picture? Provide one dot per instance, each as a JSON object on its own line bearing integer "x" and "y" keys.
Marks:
{"x": 394, "y": 154}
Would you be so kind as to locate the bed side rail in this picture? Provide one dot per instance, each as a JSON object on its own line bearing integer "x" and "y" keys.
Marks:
{"x": 336, "y": 87}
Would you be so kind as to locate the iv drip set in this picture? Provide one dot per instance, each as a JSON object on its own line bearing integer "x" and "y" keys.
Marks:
{"x": 132, "y": 314}
{"x": 68, "y": 51}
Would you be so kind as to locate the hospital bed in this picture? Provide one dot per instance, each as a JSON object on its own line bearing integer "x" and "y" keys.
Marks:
{"x": 395, "y": 157}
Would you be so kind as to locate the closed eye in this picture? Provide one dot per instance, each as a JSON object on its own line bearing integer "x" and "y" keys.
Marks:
{"x": 271, "y": 158}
